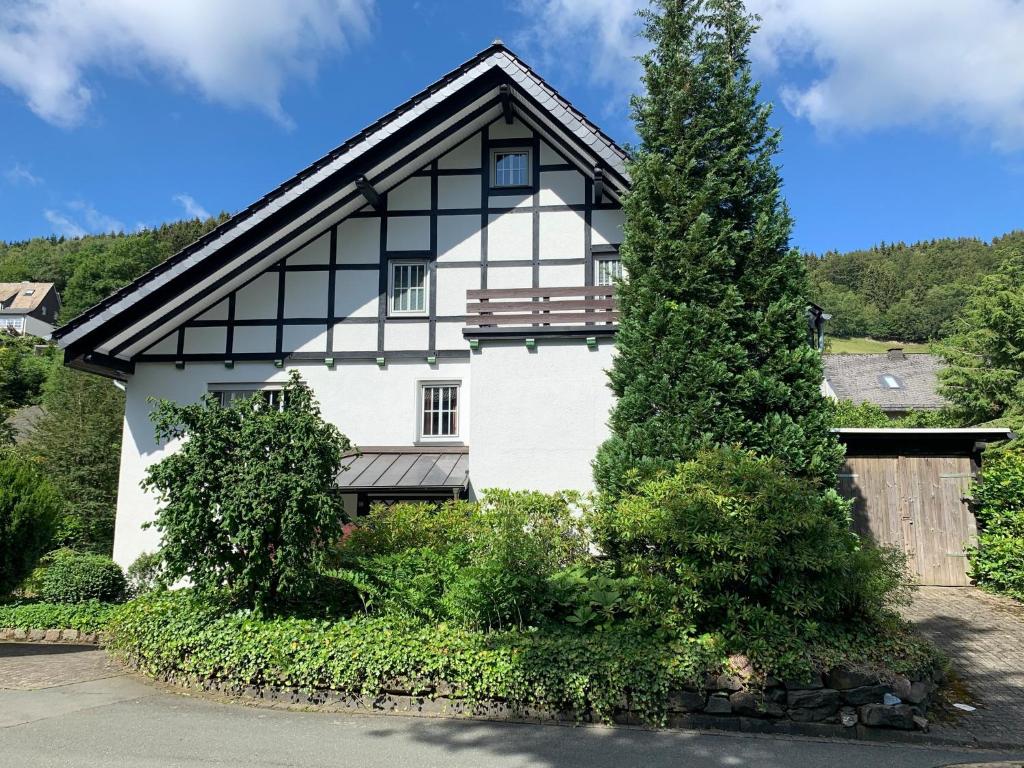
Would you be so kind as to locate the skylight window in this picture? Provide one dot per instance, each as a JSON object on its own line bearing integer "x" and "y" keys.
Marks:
{"x": 28, "y": 292}
{"x": 890, "y": 382}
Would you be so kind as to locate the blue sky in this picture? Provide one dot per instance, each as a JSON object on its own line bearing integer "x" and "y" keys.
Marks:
{"x": 899, "y": 124}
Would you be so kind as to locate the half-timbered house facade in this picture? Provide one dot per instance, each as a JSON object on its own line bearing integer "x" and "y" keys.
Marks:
{"x": 442, "y": 280}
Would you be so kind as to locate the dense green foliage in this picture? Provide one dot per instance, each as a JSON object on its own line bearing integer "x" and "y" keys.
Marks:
{"x": 86, "y": 269}
{"x": 985, "y": 353}
{"x": 846, "y": 413}
{"x": 998, "y": 502}
{"x": 248, "y": 502}
{"x": 730, "y": 543}
{"x": 77, "y": 443}
{"x": 712, "y": 342}
{"x": 28, "y": 508}
{"x": 80, "y": 577}
{"x": 493, "y": 564}
{"x": 190, "y": 636}
{"x": 904, "y": 292}
{"x": 24, "y": 369}
{"x": 146, "y": 573}
{"x": 85, "y": 617}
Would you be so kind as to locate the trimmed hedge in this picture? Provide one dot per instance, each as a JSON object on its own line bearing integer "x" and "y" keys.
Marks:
{"x": 78, "y": 577}
{"x": 85, "y": 617}
{"x": 182, "y": 634}
{"x": 997, "y": 564}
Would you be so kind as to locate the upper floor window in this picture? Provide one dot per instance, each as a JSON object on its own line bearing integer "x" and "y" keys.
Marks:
{"x": 408, "y": 288}
{"x": 608, "y": 271}
{"x": 511, "y": 168}
{"x": 14, "y": 323}
{"x": 228, "y": 394}
{"x": 439, "y": 410}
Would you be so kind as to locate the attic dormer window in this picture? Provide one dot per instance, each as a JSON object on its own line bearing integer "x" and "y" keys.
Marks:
{"x": 891, "y": 382}
{"x": 511, "y": 168}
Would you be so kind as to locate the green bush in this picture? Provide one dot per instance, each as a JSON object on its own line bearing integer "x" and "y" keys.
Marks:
{"x": 200, "y": 637}
{"x": 486, "y": 564}
{"x": 85, "y": 617}
{"x": 730, "y": 542}
{"x": 269, "y": 473}
{"x": 77, "y": 577}
{"x": 146, "y": 573}
{"x": 998, "y": 561}
{"x": 28, "y": 508}
{"x": 848, "y": 414}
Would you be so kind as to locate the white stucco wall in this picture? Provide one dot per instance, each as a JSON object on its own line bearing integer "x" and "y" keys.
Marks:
{"x": 538, "y": 417}
{"x": 371, "y": 405}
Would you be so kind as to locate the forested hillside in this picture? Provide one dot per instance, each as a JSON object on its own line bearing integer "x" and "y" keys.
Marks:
{"x": 89, "y": 268}
{"x": 904, "y": 292}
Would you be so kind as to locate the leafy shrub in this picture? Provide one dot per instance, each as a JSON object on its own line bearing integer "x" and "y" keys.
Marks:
{"x": 998, "y": 561}
{"x": 249, "y": 500}
{"x": 28, "y": 508}
{"x": 848, "y": 414}
{"x": 77, "y": 577}
{"x": 479, "y": 564}
{"x": 200, "y": 637}
{"x": 730, "y": 542}
{"x": 85, "y": 617}
{"x": 146, "y": 573}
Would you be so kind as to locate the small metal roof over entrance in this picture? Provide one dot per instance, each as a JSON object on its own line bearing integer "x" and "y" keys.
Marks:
{"x": 426, "y": 469}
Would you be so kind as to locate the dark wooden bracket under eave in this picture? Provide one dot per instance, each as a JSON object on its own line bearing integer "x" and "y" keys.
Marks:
{"x": 507, "y": 108}
{"x": 372, "y": 196}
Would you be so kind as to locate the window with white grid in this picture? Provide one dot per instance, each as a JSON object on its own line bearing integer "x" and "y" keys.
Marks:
{"x": 511, "y": 168}
{"x": 228, "y": 395}
{"x": 608, "y": 271}
{"x": 439, "y": 411}
{"x": 408, "y": 288}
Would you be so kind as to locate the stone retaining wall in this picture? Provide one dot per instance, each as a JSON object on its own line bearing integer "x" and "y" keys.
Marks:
{"x": 51, "y": 636}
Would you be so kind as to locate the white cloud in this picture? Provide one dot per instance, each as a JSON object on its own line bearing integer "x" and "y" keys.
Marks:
{"x": 64, "y": 225}
{"x": 192, "y": 209}
{"x": 82, "y": 218}
{"x": 864, "y": 65}
{"x": 19, "y": 174}
{"x": 237, "y": 52}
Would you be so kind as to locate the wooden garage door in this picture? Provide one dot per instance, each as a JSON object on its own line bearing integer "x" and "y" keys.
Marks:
{"x": 915, "y": 503}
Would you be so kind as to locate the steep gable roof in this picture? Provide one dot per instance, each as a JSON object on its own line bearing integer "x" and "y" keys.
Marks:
{"x": 22, "y": 298}
{"x": 105, "y": 337}
{"x": 861, "y": 378}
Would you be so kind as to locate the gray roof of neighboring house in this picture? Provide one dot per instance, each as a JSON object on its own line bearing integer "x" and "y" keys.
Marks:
{"x": 405, "y": 468}
{"x": 862, "y": 378}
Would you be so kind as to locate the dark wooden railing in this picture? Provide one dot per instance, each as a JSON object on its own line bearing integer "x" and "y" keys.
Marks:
{"x": 576, "y": 305}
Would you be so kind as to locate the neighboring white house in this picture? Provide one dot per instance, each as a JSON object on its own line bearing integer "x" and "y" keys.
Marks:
{"x": 28, "y": 309}
{"x": 442, "y": 280}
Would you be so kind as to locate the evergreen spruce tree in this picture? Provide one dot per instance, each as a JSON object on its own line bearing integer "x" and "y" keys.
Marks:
{"x": 713, "y": 337}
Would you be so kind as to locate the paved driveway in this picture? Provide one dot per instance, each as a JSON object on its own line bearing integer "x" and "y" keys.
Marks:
{"x": 984, "y": 638}
{"x": 63, "y": 706}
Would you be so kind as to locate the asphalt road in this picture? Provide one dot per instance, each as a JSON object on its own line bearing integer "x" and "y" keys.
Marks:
{"x": 117, "y": 720}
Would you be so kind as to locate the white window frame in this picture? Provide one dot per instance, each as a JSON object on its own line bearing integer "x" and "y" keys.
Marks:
{"x": 421, "y": 387}
{"x": 242, "y": 390}
{"x": 598, "y": 261}
{"x": 891, "y": 382}
{"x": 511, "y": 151}
{"x": 392, "y": 265}
{"x": 16, "y": 323}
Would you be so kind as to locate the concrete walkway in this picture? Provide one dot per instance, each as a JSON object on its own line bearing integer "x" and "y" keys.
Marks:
{"x": 66, "y": 706}
{"x": 984, "y": 637}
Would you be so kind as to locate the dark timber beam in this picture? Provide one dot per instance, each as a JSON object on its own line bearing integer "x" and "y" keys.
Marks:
{"x": 598, "y": 186}
{"x": 506, "y": 103}
{"x": 372, "y": 197}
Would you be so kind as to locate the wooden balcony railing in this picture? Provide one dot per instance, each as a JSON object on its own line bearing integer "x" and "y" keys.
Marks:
{"x": 533, "y": 307}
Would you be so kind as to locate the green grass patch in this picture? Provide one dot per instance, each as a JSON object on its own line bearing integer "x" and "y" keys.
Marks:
{"x": 865, "y": 346}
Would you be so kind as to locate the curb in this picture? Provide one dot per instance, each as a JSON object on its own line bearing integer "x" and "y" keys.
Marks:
{"x": 74, "y": 636}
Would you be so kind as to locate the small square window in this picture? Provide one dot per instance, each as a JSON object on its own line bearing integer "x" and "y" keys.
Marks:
{"x": 608, "y": 271}
{"x": 890, "y": 381}
{"x": 511, "y": 168}
{"x": 408, "y": 294}
{"x": 439, "y": 411}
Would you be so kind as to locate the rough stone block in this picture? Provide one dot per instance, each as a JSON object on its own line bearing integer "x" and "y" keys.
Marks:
{"x": 918, "y": 693}
{"x": 685, "y": 701}
{"x": 19, "y": 634}
{"x": 70, "y": 635}
{"x": 898, "y": 716}
{"x": 35, "y": 635}
{"x": 718, "y": 704}
{"x": 728, "y": 683}
{"x": 750, "y": 704}
{"x": 805, "y": 684}
{"x": 814, "y": 705}
{"x": 844, "y": 679}
{"x": 867, "y": 694}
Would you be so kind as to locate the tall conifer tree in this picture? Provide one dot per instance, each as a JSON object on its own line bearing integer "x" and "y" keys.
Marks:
{"x": 713, "y": 337}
